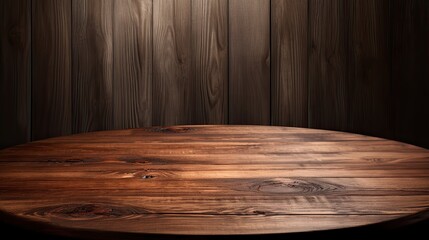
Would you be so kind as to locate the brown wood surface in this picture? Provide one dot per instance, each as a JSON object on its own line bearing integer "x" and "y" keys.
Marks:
{"x": 132, "y": 64}
{"x": 368, "y": 72}
{"x": 51, "y": 68}
{"x": 289, "y": 27}
{"x": 210, "y": 180}
{"x": 210, "y": 56}
{"x": 15, "y": 71}
{"x": 249, "y": 62}
{"x": 350, "y": 66}
{"x": 410, "y": 72}
{"x": 327, "y": 66}
{"x": 92, "y": 65}
{"x": 173, "y": 84}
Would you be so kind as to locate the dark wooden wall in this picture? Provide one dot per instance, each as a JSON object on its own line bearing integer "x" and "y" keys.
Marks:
{"x": 70, "y": 66}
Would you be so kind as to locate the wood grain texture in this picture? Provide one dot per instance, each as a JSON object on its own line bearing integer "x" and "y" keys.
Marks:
{"x": 410, "y": 73}
{"x": 366, "y": 73}
{"x": 174, "y": 85}
{"x": 92, "y": 65}
{"x": 327, "y": 76}
{"x": 369, "y": 77}
{"x": 51, "y": 68}
{"x": 132, "y": 47}
{"x": 213, "y": 180}
{"x": 249, "y": 62}
{"x": 289, "y": 72}
{"x": 210, "y": 56}
{"x": 15, "y": 70}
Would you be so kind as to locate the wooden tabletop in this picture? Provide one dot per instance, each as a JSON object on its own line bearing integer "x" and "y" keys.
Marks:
{"x": 213, "y": 180}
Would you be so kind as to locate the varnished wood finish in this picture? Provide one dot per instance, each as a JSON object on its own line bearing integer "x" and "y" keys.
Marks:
{"x": 173, "y": 85}
{"x": 92, "y": 65}
{"x": 132, "y": 85}
{"x": 210, "y": 51}
{"x": 211, "y": 180}
{"x": 410, "y": 72}
{"x": 249, "y": 61}
{"x": 51, "y": 68}
{"x": 15, "y": 70}
{"x": 289, "y": 27}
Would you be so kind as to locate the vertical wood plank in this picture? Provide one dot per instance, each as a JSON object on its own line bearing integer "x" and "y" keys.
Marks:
{"x": 210, "y": 60}
{"x": 51, "y": 83}
{"x": 368, "y": 81}
{"x": 174, "y": 87}
{"x": 92, "y": 65}
{"x": 15, "y": 68}
{"x": 328, "y": 65}
{"x": 289, "y": 58}
{"x": 410, "y": 71}
{"x": 249, "y": 66}
{"x": 132, "y": 84}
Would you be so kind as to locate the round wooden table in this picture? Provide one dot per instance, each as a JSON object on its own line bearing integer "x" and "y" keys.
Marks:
{"x": 212, "y": 180}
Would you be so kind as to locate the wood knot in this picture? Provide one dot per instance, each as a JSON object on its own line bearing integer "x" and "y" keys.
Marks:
{"x": 259, "y": 212}
{"x": 287, "y": 185}
{"x": 147, "y": 176}
{"x": 86, "y": 211}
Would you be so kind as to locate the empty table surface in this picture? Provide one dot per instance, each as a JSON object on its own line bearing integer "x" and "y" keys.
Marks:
{"x": 213, "y": 180}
